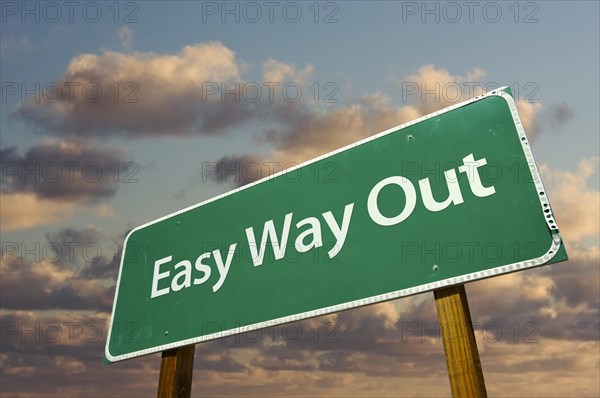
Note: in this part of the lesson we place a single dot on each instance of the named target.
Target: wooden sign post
(462, 357)
(176, 368)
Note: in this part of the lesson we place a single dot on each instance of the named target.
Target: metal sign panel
(452, 197)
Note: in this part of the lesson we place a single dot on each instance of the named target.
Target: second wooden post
(462, 357)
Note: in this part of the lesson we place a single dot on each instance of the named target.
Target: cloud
(240, 170)
(142, 94)
(559, 115)
(528, 112)
(307, 132)
(96, 254)
(11, 45)
(66, 170)
(59, 353)
(126, 37)
(559, 301)
(200, 90)
(575, 202)
(277, 72)
(45, 285)
(538, 119)
(26, 210)
(435, 88)
(55, 179)
(73, 269)
(105, 211)
(546, 368)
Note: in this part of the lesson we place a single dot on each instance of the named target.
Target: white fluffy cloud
(140, 94)
(276, 71)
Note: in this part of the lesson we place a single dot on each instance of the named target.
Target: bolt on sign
(449, 198)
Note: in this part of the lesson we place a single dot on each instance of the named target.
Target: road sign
(449, 198)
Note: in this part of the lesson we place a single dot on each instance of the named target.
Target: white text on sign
(310, 230)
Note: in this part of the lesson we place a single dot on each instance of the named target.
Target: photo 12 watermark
(315, 332)
(69, 172)
(326, 12)
(38, 332)
(490, 332)
(455, 92)
(70, 91)
(470, 11)
(270, 92)
(64, 252)
(244, 171)
(454, 252)
(126, 12)
(238, 172)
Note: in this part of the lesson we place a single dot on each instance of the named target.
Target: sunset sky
(115, 113)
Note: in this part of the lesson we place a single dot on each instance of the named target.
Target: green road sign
(452, 197)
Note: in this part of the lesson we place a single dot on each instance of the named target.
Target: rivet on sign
(435, 267)
(166, 332)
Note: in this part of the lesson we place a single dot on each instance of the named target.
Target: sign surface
(449, 198)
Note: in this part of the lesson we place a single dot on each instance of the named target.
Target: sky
(117, 113)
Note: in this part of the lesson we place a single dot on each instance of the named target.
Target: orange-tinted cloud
(141, 94)
(575, 202)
